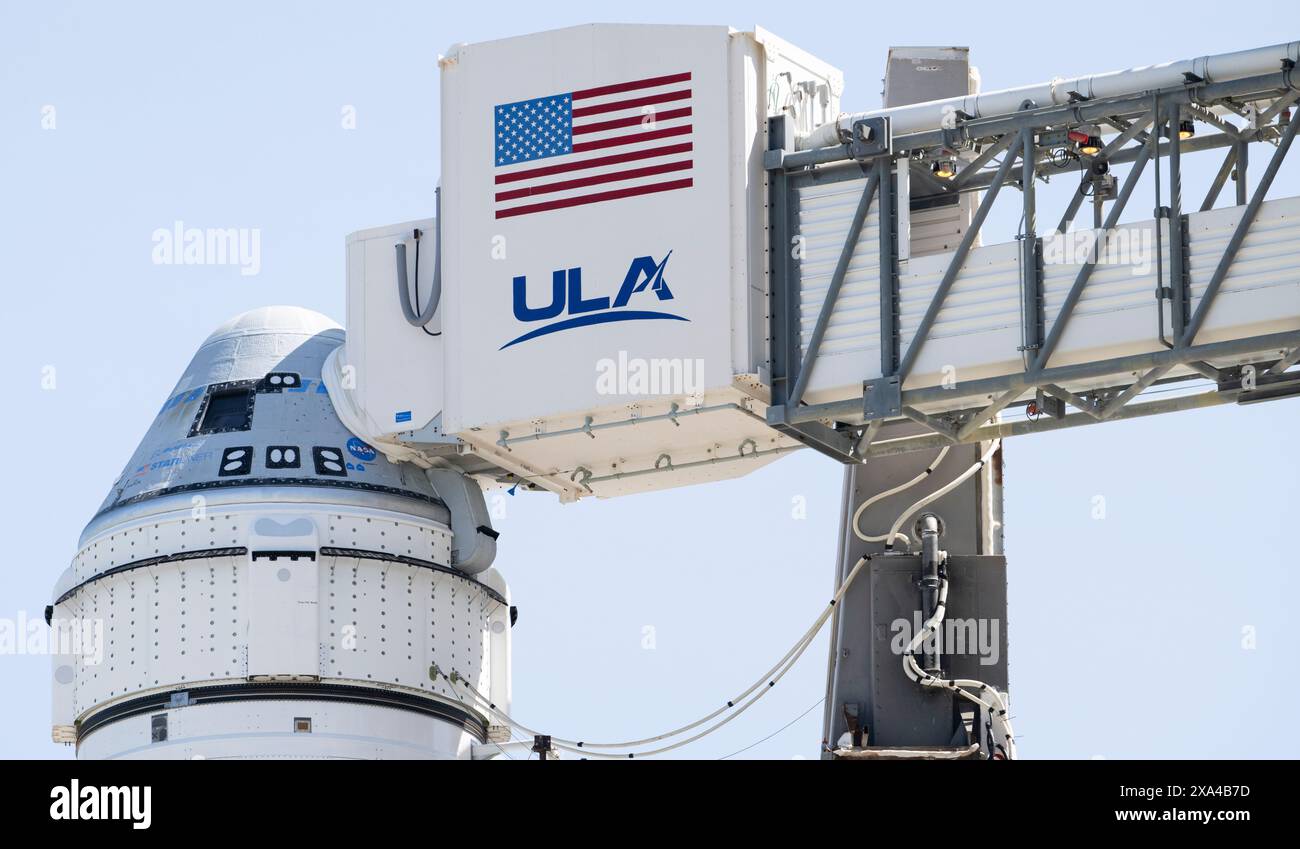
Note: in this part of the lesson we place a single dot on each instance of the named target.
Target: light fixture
(944, 169)
(1186, 129)
(1087, 139)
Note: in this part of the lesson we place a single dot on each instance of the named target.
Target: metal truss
(1148, 133)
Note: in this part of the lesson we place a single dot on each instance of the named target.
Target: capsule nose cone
(297, 321)
(250, 412)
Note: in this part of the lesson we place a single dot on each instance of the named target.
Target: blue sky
(1126, 632)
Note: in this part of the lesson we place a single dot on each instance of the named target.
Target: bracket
(882, 398)
(871, 137)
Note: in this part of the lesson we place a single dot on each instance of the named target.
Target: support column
(861, 675)
(867, 690)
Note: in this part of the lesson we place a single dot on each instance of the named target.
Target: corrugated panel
(1262, 288)
(938, 230)
(825, 213)
(978, 332)
(979, 321)
(1118, 304)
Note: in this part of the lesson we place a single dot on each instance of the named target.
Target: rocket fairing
(259, 582)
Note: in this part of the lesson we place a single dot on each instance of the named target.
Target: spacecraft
(270, 585)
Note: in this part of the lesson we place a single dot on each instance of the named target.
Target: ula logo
(567, 300)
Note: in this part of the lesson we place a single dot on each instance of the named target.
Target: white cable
(997, 709)
(880, 496)
(941, 492)
(782, 666)
(581, 748)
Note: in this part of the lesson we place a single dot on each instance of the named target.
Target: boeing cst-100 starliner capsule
(261, 583)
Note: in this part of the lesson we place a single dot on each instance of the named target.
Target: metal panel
(898, 711)
(938, 229)
(1263, 284)
(283, 637)
(850, 350)
(978, 332)
(920, 74)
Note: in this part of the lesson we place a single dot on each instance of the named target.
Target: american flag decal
(598, 144)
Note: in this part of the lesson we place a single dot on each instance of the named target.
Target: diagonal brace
(1140, 386)
(954, 266)
(977, 421)
(1238, 236)
(1081, 280)
(1286, 362)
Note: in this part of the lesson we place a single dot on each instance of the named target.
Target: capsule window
(227, 408)
(278, 381)
(283, 457)
(329, 462)
(236, 460)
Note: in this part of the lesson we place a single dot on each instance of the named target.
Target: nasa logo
(566, 299)
(361, 450)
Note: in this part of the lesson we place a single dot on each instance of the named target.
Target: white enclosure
(611, 275)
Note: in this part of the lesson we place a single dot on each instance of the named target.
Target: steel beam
(783, 273)
(1286, 362)
(988, 412)
(1220, 180)
(985, 157)
(1238, 236)
(1272, 112)
(954, 268)
(1137, 130)
(942, 428)
(1241, 170)
(1179, 306)
(1031, 284)
(1139, 386)
(817, 436)
(1004, 430)
(888, 215)
(1101, 110)
(869, 434)
(1078, 402)
(1081, 279)
(842, 171)
(1058, 375)
(1072, 209)
(1200, 114)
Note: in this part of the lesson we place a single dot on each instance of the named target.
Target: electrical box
(396, 378)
